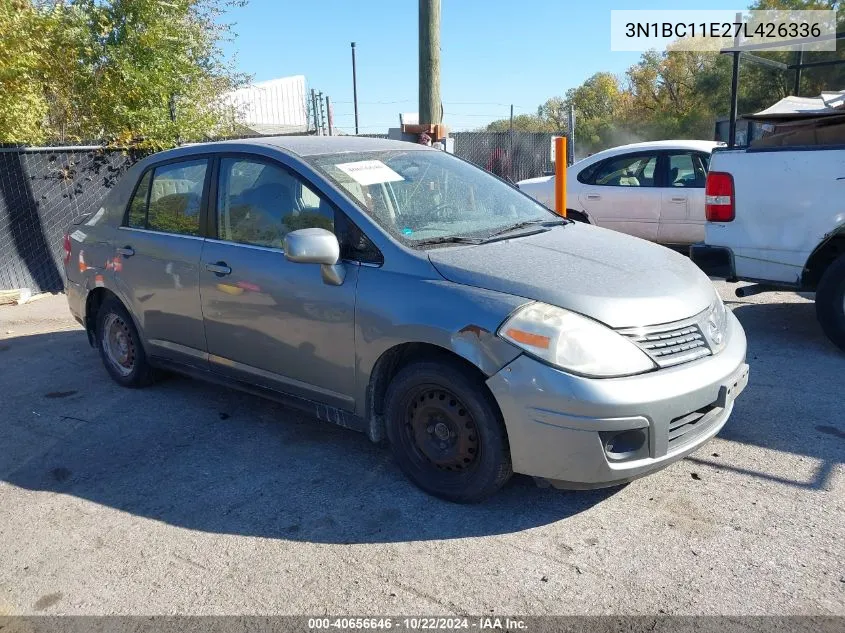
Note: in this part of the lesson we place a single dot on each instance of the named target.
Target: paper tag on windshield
(369, 172)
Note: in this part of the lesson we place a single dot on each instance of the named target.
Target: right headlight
(573, 342)
(715, 325)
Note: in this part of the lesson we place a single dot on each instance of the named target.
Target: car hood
(614, 278)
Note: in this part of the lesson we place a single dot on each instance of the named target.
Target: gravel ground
(188, 498)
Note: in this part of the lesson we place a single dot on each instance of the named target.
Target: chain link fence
(514, 157)
(41, 192)
(511, 156)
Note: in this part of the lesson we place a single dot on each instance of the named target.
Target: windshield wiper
(447, 239)
(527, 223)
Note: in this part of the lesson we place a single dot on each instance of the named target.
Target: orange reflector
(230, 289)
(534, 340)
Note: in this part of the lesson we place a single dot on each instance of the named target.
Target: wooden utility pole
(430, 108)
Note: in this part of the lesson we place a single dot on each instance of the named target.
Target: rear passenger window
(137, 218)
(168, 199)
(687, 170)
(175, 197)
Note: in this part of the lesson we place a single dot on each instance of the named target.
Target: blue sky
(493, 53)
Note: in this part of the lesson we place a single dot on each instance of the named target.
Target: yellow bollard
(560, 175)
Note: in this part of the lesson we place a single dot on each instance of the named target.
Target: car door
(619, 193)
(683, 175)
(269, 321)
(157, 257)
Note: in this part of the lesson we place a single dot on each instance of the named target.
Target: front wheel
(830, 302)
(446, 432)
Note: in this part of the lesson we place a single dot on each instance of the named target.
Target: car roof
(313, 145)
(701, 146)
(680, 144)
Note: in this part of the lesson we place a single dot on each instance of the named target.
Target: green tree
(550, 117)
(601, 109)
(680, 94)
(521, 123)
(555, 112)
(146, 72)
(22, 102)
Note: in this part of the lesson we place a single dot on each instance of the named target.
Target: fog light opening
(625, 444)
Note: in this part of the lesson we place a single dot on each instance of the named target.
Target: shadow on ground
(205, 458)
(793, 402)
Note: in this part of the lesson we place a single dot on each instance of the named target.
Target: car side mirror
(316, 246)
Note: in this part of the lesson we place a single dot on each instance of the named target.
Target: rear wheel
(120, 346)
(830, 302)
(446, 431)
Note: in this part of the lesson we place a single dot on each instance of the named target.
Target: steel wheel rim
(118, 344)
(440, 430)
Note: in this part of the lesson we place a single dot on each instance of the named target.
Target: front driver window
(625, 171)
(259, 203)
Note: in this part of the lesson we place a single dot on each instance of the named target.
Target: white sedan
(652, 190)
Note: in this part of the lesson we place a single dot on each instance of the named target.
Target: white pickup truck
(776, 216)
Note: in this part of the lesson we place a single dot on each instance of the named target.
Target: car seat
(264, 208)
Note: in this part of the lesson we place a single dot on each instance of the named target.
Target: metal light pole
(354, 88)
(329, 113)
(734, 89)
(510, 149)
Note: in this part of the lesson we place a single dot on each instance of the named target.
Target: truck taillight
(719, 197)
(66, 246)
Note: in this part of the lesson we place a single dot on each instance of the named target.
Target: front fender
(395, 309)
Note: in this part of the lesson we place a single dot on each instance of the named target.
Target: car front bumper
(581, 432)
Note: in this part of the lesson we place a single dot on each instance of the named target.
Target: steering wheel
(437, 210)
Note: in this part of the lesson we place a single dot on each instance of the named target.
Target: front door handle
(593, 196)
(126, 251)
(219, 268)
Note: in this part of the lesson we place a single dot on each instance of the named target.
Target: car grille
(670, 344)
(687, 427)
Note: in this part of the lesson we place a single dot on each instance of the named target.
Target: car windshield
(430, 196)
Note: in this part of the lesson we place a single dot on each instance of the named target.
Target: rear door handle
(679, 199)
(593, 196)
(126, 251)
(220, 269)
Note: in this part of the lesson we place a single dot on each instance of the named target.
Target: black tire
(467, 464)
(136, 371)
(830, 302)
(576, 216)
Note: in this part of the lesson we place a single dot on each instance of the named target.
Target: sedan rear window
(137, 218)
(168, 198)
